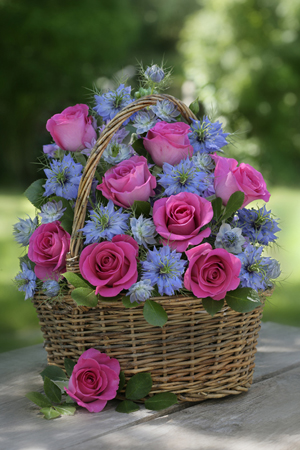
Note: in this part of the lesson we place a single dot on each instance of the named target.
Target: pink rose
(168, 143)
(48, 247)
(179, 219)
(110, 266)
(211, 273)
(72, 129)
(94, 380)
(128, 181)
(229, 178)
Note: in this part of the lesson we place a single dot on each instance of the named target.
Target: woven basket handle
(101, 144)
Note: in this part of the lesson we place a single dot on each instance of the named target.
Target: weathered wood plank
(22, 429)
(266, 418)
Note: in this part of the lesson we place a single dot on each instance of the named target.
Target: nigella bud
(155, 73)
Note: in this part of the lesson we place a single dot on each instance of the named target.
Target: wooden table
(265, 418)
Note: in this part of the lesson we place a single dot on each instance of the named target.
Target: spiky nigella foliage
(105, 223)
(258, 225)
(206, 136)
(164, 268)
(63, 178)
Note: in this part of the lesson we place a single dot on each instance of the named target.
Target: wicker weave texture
(194, 355)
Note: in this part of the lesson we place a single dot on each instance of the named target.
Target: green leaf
(122, 381)
(243, 299)
(139, 148)
(234, 203)
(154, 313)
(79, 158)
(217, 208)
(194, 107)
(70, 400)
(127, 303)
(38, 399)
(69, 212)
(212, 306)
(117, 298)
(50, 413)
(65, 409)
(138, 386)
(127, 406)
(35, 192)
(67, 225)
(69, 366)
(76, 280)
(54, 373)
(161, 401)
(61, 385)
(52, 391)
(85, 297)
(140, 207)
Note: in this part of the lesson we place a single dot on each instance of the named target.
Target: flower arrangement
(166, 216)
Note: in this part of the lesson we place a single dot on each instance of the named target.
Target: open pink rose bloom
(94, 381)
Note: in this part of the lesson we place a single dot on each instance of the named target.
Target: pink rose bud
(128, 181)
(211, 273)
(48, 247)
(168, 143)
(179, 219)
(72, 129)
(94, 380)
(110, 266)
(229, 178)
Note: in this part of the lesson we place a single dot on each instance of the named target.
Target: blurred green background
(241, 58)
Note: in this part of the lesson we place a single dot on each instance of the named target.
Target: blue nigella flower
(143, 231)
(50, 150)
(209, 183)
(105, 223)
(184, 177)
(165, 110)
(51, 288)
(52, 211)
(164, 267)
(258, 225)
(204, 162)
(26, 281)
(272, 269)
(24, 229)
(154, 73)
(110, 104)
(144, 121)
(89, 147)
(116, 152)
(140, 291)
(253, 271)
(230, 239)
(63, 178)
(206, 136)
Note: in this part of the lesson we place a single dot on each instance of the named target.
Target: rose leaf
(84, 297)
(127, 303)
(66, 410)
(234, 203)
(154, 313)
(76, 280)
(212, 306)
(61, 385)
(122, 382)
(161, 401)
(69, 366)
(217, 208)
(140, 207)
(52, 391)
(38, 399)
(243, 299)
(54, 373)
(50, 413)
(35, 192)
(138, 386)
(127, 406)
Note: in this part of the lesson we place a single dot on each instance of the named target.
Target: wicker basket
(194, 355)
